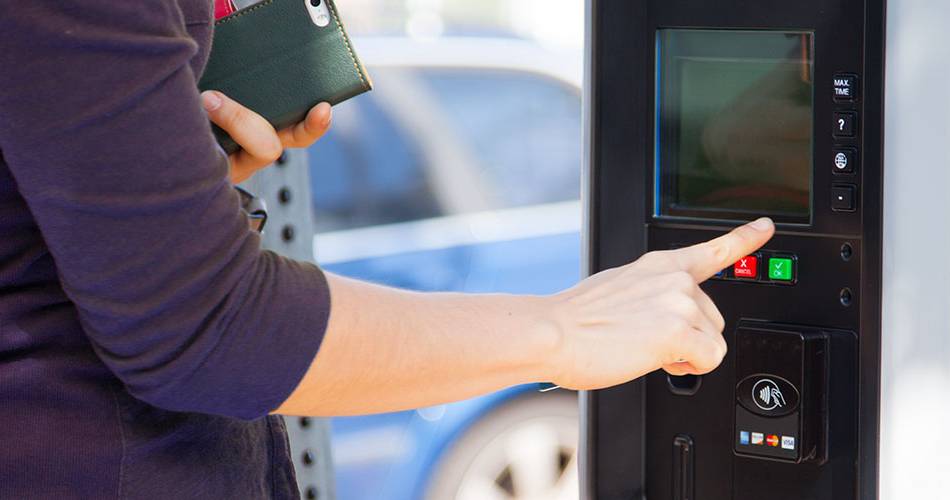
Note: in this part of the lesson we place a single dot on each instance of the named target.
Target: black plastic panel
(631, 427)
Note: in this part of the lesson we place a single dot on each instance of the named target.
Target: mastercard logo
(772, 440)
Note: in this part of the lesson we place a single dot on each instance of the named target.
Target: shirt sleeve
(102, 127)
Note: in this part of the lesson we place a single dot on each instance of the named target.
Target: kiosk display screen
(734, 119)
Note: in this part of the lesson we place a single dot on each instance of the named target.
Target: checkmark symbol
(780, 268)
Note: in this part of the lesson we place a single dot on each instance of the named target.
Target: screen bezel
(664, 182)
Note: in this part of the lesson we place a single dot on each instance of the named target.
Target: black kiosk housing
(703, 115)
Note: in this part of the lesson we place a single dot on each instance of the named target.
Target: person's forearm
(388, 350)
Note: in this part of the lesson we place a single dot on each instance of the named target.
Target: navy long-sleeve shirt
(144, 334)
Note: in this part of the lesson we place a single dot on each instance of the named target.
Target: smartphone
(280, 58)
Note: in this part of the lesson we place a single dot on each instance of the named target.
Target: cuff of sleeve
(265, 349)
(302, 336)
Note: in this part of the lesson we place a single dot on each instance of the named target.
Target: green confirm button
(780, 269)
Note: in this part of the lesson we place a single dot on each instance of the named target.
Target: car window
(366, 172)
(524, 129)
(430, 142)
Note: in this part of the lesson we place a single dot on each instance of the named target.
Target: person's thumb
(250, 130)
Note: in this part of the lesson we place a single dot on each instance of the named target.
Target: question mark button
(845, 124)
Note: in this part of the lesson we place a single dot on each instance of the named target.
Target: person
(147, 343)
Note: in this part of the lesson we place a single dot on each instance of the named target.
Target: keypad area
(844, 154)
(764, 266)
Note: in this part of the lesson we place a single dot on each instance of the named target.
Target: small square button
(846, 123)
(746, 268)
(843, 197)
(845, 87)
(781, 268)
(845, 160)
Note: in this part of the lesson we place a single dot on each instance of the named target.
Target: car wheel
(524, 450)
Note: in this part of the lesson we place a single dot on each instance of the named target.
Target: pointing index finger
(706, 259)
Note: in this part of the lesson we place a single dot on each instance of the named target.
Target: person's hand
(260, 144)
(625, 322)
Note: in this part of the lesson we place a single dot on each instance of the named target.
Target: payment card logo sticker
(767, 395)
(788, 442)
(757, 438)
(743, 437)
(772, 440)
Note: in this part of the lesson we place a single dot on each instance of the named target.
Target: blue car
(460, 172)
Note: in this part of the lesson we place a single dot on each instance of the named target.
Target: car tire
(525, 449)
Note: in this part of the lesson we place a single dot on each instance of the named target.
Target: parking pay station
(702, 115)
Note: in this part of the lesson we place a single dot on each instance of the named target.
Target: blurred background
(459, 172)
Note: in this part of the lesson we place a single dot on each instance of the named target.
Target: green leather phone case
(273, 59)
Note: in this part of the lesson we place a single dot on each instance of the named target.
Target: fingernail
(210, 100)
(328, 116)
(763, 224)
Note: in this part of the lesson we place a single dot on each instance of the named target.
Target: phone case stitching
(346, 41)
(242, 12)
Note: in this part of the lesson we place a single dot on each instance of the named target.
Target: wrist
(547, 335)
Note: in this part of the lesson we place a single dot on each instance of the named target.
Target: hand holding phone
(260, 144)
(280, 58)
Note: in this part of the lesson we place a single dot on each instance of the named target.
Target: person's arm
(102, 127)
(389, 349)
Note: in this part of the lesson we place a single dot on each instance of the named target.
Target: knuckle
(719, 252)
(745, 233)
(645, 260)
(678, 300)
(693, 311)
(273, 152)
(678, 326)
(719, 321)
(683, 281)
(239, 116)
(707, 362)
(717, 351)
(673, 302)
(300, 135)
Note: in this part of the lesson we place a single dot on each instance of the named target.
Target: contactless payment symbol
(743, 437)
(767, 396)
(772, 440)
(758, 438)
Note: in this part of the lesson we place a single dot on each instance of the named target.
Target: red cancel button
(746, 267)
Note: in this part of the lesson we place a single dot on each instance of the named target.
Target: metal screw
(846, 297)
(287, 233)
(846, 252)
(284, 195)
